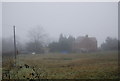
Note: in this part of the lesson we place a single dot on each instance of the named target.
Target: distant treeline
(63, 45)
(110, 44)
(37, 44)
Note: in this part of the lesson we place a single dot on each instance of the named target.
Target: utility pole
(15, 50)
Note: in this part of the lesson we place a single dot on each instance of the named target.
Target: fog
(98, 20)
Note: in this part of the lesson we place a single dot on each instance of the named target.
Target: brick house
(85, 44)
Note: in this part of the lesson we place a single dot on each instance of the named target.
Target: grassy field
(99, 65)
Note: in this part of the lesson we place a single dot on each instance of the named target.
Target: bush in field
(24, 72)
(8, 63)
(7, 66)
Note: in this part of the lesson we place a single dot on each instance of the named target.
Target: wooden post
(15, 50)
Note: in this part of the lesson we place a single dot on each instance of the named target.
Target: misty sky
(77, 19)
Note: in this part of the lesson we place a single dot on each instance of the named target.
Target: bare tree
(37, 37)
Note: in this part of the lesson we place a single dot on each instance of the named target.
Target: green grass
(99, 65)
